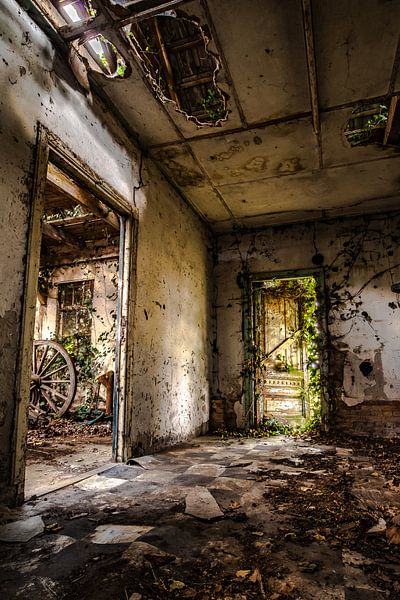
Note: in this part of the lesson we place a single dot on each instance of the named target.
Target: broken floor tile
(117, 534)
(21, 531)
(202, 505)
(99, 483)
(231, 484)
(157, 476)
(140, 552)
(209, 470)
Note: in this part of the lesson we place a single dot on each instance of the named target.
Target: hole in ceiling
(173, 53)
(100, 52)
(367, 125)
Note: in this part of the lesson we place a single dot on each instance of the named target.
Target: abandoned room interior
(200, 299)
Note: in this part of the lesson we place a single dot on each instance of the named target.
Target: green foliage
(45, 279)
(269, 427)
(121, 69)
(311, 340)
(213, 104)
(83, 354)
(359, 130)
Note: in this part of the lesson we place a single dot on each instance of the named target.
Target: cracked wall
(360, 258)
(172, 256)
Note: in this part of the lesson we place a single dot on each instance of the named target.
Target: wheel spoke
(43, 358)
(54, 380)
(46, 387)
(50, 402)
(56, 370)
(53, 358)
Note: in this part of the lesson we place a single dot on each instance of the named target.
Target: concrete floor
(279, 518)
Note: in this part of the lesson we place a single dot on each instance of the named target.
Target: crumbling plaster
(360, 260)
(171, 255)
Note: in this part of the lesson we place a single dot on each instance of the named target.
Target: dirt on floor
(277, 519)
(61, 449)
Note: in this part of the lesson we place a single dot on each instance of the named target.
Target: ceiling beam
(395, 69)
(59, 235)
(71, 189)
(392, 130)
(101, 23)
(312, 74)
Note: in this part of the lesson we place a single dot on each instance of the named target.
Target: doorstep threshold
(72, 481)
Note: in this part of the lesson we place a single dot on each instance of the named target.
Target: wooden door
(280, 377)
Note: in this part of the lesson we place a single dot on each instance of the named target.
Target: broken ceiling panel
(263, 44)
(100, 51)
(339, 187)
(336, 147)
(259, 153)
(173, 51)
(355, 46)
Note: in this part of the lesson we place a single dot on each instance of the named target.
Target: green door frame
(246, 281)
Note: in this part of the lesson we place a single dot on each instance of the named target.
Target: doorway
(285, 330)
(74, 347)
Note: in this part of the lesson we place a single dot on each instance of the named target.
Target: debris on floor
(61, 449)
(284, 518)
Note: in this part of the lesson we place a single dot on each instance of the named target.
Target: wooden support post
(392, 131)
(312, 73)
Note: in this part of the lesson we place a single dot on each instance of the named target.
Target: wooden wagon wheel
(53, 381)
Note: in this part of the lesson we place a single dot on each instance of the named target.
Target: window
(75, 309)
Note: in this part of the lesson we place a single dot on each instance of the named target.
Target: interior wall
(104, 274)
(172, 337)
(360, 259)
(38, 87)
(103, 313)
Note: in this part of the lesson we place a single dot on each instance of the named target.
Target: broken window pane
(173, 53)
(75, 309)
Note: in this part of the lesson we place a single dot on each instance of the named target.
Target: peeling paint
(360, 258)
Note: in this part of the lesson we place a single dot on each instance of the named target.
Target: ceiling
(293, 72)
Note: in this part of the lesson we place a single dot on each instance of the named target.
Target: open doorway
(74, 346)
(286, 334)
(70, 417)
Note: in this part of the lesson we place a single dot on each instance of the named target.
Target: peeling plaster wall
(37, 87)
(104, 274)
(361, 260)
(172, 352)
